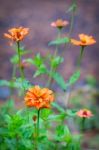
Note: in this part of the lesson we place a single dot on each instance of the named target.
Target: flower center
(85, 113)
(83, 40)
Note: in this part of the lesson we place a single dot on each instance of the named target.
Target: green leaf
(37, 73)
(4, 83)
(14, 59)
(10, 103)
(38, 60)
(74, 143)
(58, 107)
(71, 113)
(57, 117)
(41, 70)
(19, 83)
(72, 8)
(59, 79)
(30, 60)
(74, 77)
(59, 41)
(91, 80)
(59, 132)
(63, 133)
(23, 52)
(56, 61)
(7, 118)
(44, 113)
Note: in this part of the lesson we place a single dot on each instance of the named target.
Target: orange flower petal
(59, 23)
(17, 34)
(84, 113)
(39, 97)
(85, 40)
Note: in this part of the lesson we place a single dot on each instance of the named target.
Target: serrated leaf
(59, 41)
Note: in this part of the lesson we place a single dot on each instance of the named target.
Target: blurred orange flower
(17, 34)
(84, 113)
(84, 40)
(39, 97)
(59, 23)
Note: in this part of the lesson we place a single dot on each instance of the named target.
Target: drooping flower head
(17, 34)
(59, 23)
(84, 113)
(85, 40)
(39, 97)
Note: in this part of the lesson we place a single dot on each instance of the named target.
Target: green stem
(37, 130)
(12, 80)
(72, 18)
(71, 24)
(83, 124)
(20, 67)
(59, 33)
(35, 138)
(19, 55)
(50, 77)
(80, 56)
(74, 2)
(13, 72)
(52, 69)
(38, 117)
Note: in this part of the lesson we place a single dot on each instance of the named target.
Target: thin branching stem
(52, 69)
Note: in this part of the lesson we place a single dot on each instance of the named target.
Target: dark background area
(38, 15)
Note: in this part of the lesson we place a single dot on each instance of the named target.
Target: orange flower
(59, 23)
(39, 97)
(84, 113)
(84, 40)
(17, 34)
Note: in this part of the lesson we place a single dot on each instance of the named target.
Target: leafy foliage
(59, 41)
(17, 128)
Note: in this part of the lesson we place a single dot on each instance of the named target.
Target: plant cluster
(42, 124)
